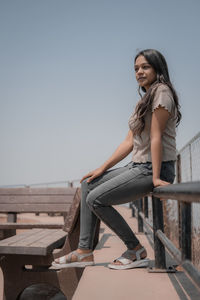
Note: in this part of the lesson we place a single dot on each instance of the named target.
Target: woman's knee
(92, 201)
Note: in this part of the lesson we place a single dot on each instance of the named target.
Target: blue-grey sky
(68, 85)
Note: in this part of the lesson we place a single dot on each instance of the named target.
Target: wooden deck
(98, 282)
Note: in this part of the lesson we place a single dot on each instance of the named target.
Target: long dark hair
(159, 64)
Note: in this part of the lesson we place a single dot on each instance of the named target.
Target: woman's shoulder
(163, 97)
(163, 88)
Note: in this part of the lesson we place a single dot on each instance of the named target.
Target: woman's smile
(141, 78)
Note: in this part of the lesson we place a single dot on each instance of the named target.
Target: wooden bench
(14, 201)
(26, 257)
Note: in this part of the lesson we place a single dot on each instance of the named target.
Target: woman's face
(144, 72)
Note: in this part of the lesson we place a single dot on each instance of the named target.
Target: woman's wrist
(104, 168)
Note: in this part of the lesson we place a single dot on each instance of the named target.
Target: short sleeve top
(142, 144)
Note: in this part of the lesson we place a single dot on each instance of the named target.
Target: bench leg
(6, 233)
(17, 277)
(71, 241)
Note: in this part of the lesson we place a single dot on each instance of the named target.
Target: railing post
(140, 220)
(70, 183)
(185, 230)
(178, 168)
(159, 249)
(132, 209)
(178, 180)
(146, 212)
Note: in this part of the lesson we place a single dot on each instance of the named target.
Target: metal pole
(186, 230)
(190, 162)
(178, 180)
(133, 210)
(146, 212)
(140, 220)
(70, 184)
(159, 249)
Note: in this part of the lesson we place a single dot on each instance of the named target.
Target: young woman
(151, 138)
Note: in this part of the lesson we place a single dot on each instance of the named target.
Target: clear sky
(67, 79)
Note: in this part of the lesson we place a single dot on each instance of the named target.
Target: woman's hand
(93, 174)
(120, 153)
(159, 182)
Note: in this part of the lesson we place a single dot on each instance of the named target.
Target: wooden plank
(14, 199)
(32, 208)
(37, 191)
(19, 244)
(48, 239)
(45, 245)
(33, 242)
(18, 237)
(30, 225)
(32, 238)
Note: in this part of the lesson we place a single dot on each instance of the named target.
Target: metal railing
(185, 194)
(68, 183)
(188, 170)
(189, 157)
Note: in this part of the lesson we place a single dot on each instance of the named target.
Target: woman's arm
(158, 124)
(121, 152)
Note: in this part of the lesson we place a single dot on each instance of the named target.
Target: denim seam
(119, 186)
(110, 226)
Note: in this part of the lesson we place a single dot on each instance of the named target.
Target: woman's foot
(133, 255)
(131, 259)
(78, 258)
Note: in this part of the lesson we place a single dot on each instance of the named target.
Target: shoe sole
(72, 265)
(136, 264)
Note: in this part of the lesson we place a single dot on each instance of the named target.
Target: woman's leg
(134, 183)
(88, 219)
(116, 186)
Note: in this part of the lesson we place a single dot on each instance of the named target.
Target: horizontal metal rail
(169, 245)
(192, 271)
(187, 265)
(190, 142)
(184, 192)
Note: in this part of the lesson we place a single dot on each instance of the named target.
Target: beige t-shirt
(141, 149)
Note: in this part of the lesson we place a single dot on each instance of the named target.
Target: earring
(158, 77)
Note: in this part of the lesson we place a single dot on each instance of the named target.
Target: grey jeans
(116, 186)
